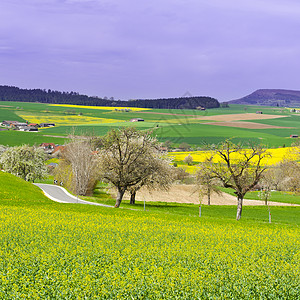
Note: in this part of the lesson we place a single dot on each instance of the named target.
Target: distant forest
(11, 93)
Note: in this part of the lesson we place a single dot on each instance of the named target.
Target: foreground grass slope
(58, 251)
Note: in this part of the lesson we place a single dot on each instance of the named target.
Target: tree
(189, 159)
(126, 158)
(79, 166)
(160, 179)
(238, 168)
(25, 162)
(184, 146)
(265, 194)
(3, 149)
(206, 181)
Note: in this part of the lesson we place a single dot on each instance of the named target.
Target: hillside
(11, 93)
(271, 97)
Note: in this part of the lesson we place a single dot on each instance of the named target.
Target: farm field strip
(99, 107)
(248, 125)
(67, 120)
(277, 155)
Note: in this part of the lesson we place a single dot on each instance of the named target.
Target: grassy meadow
(176, 126)
(51, 250)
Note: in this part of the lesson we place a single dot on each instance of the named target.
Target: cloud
(148, 49)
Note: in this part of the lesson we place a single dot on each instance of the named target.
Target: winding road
(59, 194)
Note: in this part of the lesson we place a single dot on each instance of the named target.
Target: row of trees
(127, 158)
(11, 93)
(130, 159)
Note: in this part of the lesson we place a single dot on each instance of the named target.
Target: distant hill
(271, 97)
(11, 93)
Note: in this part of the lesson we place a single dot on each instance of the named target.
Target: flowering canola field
(79, 252)
(68, 120)
(50, 250)
(276, 155)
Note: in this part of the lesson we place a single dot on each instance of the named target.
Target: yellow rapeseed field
(51, 250)
(100, 107)
(67, 252)
(68, 120)
(277, 155)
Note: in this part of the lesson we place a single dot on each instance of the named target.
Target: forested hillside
(11, 93)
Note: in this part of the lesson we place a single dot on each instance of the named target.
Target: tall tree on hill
(238, 168)
(128, 158)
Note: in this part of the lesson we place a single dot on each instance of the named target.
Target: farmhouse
(27, 128)
(47, 145)
(47, 124)
(34, 125)
(137, 120)
(8, 123)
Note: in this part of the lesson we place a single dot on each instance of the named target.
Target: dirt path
(186, 194)
(248, 125)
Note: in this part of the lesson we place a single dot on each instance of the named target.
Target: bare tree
(289, 176)
(238, 168)
(265, 194)
(206, 181)
(126, 158)
(79, 165)
(274, 176)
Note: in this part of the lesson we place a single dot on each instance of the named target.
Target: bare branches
(238, 168)
(81, 162)
(130, 159)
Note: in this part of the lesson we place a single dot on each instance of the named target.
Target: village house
(8, 123)
(47, 124)
(34, 125)
(137, 120)
(27, 128)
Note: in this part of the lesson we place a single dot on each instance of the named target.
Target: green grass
(178, 129)
(16, 138)
(276, 196)
(17, 192)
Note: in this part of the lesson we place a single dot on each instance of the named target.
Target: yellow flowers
(69, 251)
(68, 120)
(72, 251)
(100, 107)
(277, 155)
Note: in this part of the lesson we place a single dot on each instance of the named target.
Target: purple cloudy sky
(148, 49)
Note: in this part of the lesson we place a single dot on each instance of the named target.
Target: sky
(134, 49)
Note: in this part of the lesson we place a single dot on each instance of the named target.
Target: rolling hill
(271, 97)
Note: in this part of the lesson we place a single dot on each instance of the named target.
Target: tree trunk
(119, 197)
(208, 196)
(132, 197)
(239, 208)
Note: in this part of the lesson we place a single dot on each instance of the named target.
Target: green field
(69, 251)
(182, 127)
